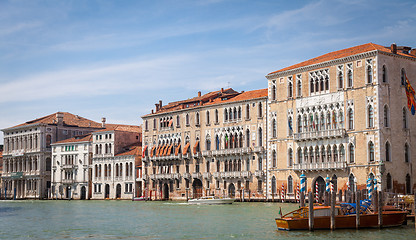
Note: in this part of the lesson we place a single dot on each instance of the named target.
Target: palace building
(343, 115)
(212, 144)
(27, 152)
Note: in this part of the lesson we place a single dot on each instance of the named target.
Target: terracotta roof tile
(80, 138)
(121, 127)
(368, 47)
(69, 119)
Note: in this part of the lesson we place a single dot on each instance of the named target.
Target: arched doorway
(107, 191)
(321, 185)
(408, 185)
(231, 190)
(165, 191)
(83, 193)
(197, 188)
(351, 180)
(118, 191)
(68, 192)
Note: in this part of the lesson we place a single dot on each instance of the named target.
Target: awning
(196, 147)
(158, 151)
(170, 123)
(144, 151)
(178, 148)
(170, 149)
(165, 151)
(185, 149)
(151, 151)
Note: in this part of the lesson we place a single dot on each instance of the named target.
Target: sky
(116, 59)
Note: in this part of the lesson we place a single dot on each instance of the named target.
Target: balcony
(68, 166)
(259, 173)
(186, 155)
(330, 133)
(320, 166)
(245, 174)
(216, 174)
(198, 155)
(258, 149)
(187, 175)
(145, 176)
(146, 159)
(207, 153)
(197, 175)
(245, 150)
(175, 175)
(206, 175)
(67, 181)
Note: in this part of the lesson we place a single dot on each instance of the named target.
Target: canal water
(161, 220)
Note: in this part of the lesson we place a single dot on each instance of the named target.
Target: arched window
(96, 149)
(322, 84)
(312, 85)
(290, 184)
(208, 143)
(248, 111)
(340, 79)
(207, 117)
(384, 74)
(388, 158)
(154, 124)
(290, 157)
(260, 110)
(260, 137)
(326, 83)
(230, 114)
(290, 89)
(369, 74)
(239, 112)
(290, 125)
(178, 122)
(335, 154)
(329, 153)
(370, 115)
(300, 157)
(403, 77)
(404, 118)
(260, 167)
(225, 115)
(342, 153)
(299, 124)
(273, 92)
(187, 119)
(389, 182)
(386, 116)
(216, 116)
(351, 152)
(305, 155)
(299, 83)
(197, 118)
(274, 189)
(370, 151)
(247, 138)
(274, 159)
(48, 141)
(350, 119)
(349, 78)
(323, 153)
(274, 127)
(406, 153)
(235, 113)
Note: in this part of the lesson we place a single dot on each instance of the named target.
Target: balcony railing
(216, 174)
(245, 174)
(187, 175)
(197, 175)
(207, 153)
(258, 149)
(68, 166)
(330, 133)
(319, 166)
(206, 175)
(67, 181)
(231, 151)
(259, 173)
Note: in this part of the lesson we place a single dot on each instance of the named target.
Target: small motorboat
(211, 200)
(345, 218)
(138, 199)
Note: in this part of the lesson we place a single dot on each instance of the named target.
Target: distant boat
(138, 199)
(211, 200)
(344, 218)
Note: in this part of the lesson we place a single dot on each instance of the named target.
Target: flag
(312, 122)
(290, 124)
(410, 93)
(334, 121)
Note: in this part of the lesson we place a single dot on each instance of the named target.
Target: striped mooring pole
(297, 193)
(327, 184)
(303, 183)
(369, 189)
(316, 192)
(283, 193)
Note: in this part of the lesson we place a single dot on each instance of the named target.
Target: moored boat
(344, 218)
(211, 200)
(138, 199)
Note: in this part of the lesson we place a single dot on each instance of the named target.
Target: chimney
(393, 48)
(242, 91)
(160, 104)
(199, 93)
(157, 106)
(222, 90)
(152, 111)
(60, 118)
(103, 122)
(413, 52)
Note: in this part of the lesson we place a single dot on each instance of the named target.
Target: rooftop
(80, 138)
(368, 47)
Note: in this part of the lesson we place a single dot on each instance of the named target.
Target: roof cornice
(323, 64)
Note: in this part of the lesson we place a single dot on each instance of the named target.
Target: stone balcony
(235, 174)
(323, 134)
(259, 173)
(67, 181)
(320, 166)
(207, 153)
(206, 175)
(68, 166)
(231, 151)
(187, 175)
(258, 149)
(197, 175)
(164, 176)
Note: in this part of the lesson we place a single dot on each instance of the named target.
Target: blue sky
(117, 58)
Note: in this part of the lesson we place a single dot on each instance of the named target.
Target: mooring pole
(302, 199)
(380, 209)
(357, 210)
(333, 200)
(310, 215)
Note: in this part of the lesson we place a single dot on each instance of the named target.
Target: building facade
(28, 153)
(115, 151)
(343, 115)
(71, 168)
(212, 144)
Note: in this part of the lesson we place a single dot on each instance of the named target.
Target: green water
(161, 220)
